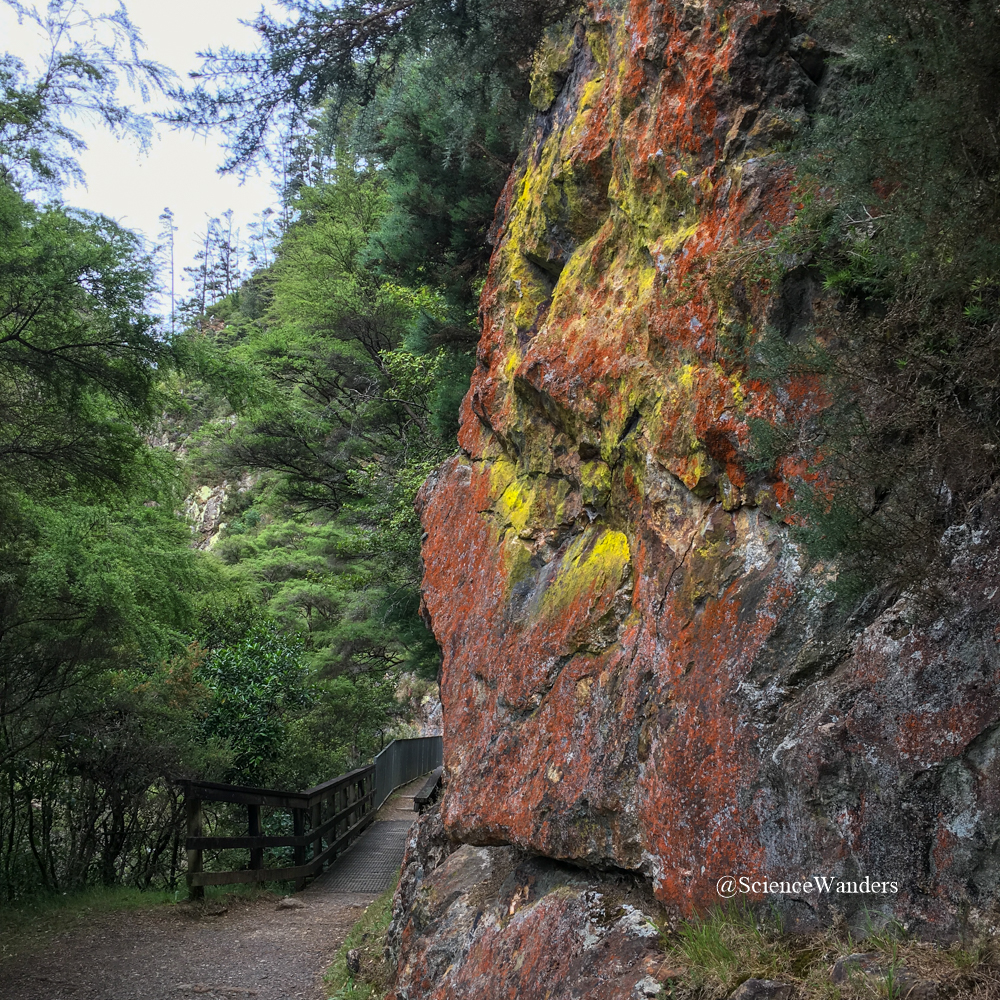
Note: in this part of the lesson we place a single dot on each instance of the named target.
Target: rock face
(490, 922)
(639, 673)
(203, 509)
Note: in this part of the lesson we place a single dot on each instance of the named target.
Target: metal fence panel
(402, 761)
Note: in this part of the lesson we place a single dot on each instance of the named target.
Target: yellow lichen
(598, 43)
(595, 478)
(739, 392)
(532, 292)
(502, 474)
(590, 566)
(552, 60)
(515, 507)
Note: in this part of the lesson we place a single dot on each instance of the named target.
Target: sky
(180, 169)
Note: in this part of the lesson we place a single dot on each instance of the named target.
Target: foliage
(913, 145)
(354, 412)
(333, 374)
(329, 322)
(254, 682)
(435, 93)
(78, 351)
(87, 57)
(448, 131)
(344, 54)
(899, 222)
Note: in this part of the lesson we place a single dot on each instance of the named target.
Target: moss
(661, 224)
(534, 501)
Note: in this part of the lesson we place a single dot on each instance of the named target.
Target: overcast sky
(179, 171)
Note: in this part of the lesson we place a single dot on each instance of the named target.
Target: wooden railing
(325, 822)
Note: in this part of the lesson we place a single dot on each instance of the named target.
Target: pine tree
(166, 235)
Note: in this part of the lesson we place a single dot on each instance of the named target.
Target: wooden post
(256, 853)
(315, 820)
(195, 823)
(299, 856)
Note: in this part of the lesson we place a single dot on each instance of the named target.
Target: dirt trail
(254, 947)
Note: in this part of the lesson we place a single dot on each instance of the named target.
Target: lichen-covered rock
(427, 847)
(638, 671)
(491, 923)
(203, 509)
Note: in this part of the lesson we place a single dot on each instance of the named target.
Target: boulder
(492, 922)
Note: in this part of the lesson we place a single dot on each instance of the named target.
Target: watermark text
(730, 886)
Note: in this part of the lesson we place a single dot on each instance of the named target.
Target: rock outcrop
(491, 922)
(641, 672)
(204, 507)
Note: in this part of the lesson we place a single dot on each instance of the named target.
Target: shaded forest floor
(243, 946)
(235, 945)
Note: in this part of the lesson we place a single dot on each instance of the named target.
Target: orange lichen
(623, 615)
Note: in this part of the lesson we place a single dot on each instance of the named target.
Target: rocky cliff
(642, 673)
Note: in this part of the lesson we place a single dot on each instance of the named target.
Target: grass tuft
(368, 937)
(712, 955)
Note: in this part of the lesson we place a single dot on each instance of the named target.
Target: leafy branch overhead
(88, 58)
(343, 53)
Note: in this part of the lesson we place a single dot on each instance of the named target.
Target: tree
(344, 53)
(257, 679)
(331, 322)
(88, 56)
(448, 133)
(79, 353)
(262, 237)
(167, 233)
(227, 254)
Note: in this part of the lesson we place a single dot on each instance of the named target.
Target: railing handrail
(327, 817)
(390, 775)
(218, 791)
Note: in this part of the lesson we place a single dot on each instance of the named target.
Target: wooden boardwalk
(371, 863)
(302, 833)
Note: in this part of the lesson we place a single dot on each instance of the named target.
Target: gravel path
(248, 947)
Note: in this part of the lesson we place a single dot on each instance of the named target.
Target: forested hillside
(325, 381)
